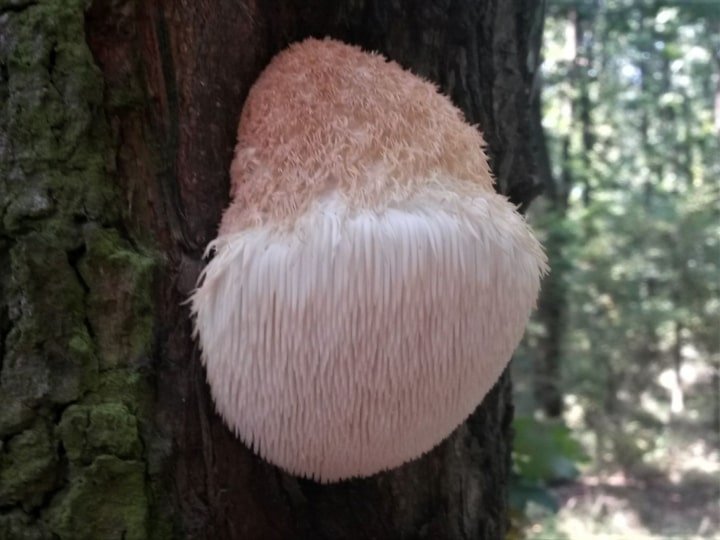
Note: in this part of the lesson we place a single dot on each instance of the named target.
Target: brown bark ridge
(174, 75)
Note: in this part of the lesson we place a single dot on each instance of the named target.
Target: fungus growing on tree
(368, 285)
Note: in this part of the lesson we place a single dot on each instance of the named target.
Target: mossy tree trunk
(117, 124)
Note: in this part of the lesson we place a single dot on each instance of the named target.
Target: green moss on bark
(128, 386)
(17, 525)
(89, 431)
(76, 319)
(119, 299)
(57, 141)
(28, 467)
(105, 500)
(49, 356)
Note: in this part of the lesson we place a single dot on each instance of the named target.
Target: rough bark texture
(117, 126)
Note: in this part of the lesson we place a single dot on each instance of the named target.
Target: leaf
(545, 450)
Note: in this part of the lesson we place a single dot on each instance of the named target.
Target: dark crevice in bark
(52, 59)
(5, 325)
(296, 502)
(74, 256)
(169, 149)
(16, 7)
(37, 512)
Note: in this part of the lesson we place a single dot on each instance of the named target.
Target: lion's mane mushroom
(368, 285)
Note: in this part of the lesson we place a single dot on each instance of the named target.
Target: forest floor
(672, 493)
(644, 505)
(649, 507)
(673, 496)
(656, 475)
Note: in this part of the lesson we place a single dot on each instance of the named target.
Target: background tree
(117, 126)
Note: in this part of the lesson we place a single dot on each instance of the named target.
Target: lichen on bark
(76, 320)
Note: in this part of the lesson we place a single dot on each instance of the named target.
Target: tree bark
(116, 135)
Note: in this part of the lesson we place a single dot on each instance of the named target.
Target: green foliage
(545, 451)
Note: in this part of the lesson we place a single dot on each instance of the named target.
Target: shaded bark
(175, 76)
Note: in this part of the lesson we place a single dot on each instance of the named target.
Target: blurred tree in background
(625, 346)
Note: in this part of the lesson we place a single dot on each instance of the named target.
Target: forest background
(617, 384)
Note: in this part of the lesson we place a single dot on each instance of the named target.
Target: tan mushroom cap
(326, 115)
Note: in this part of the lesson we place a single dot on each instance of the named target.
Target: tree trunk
(116, 132)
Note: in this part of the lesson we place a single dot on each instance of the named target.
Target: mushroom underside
(356, 340)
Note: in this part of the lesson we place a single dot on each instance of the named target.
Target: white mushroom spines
(368, 285)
